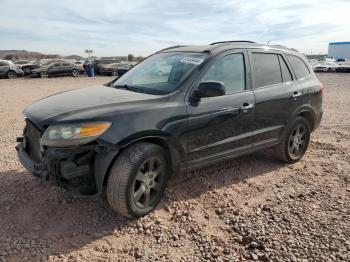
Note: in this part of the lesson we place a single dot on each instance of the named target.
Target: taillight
(322, 88)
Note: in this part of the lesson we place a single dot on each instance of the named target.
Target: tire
(75, 73)
(44, 75)
(294, 142)
(11, 75)
(133, 188)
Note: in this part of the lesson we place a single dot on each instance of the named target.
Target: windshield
(161, 73)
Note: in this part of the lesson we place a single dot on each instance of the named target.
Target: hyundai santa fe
(182, 108)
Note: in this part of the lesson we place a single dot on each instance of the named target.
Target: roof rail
(171, 47)
(285, 47)
(236, 41)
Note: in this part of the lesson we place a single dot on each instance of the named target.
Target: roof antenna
(268, 42)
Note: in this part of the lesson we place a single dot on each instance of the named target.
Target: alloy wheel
(297, 141)
(11, 75)
(75, 73)
(148, 182)
(44, 75)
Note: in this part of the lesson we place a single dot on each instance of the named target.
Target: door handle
(296, 94)
(246, 107)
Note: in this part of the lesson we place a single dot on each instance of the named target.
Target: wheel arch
(308, 113)
(162, 140)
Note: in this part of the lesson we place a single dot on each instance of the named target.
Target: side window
(299, 66)
(2, 64)
(66, 64)
(230, 70)
(56, 65)
(266, 69)
(286, 75)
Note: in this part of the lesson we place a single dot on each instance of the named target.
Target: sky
(141, 27)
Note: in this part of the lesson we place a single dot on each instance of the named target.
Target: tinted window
(56, 64)
(266, 69)
(299, 66)
(229, 70)
(286, 75)
(67, 64)
(3, 64)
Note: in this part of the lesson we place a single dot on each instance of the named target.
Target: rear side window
(230, 70)
(66, 64)
(300, 68)
(266, 69)
(286, 75)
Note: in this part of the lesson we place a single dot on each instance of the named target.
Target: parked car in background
(80, 64)
(57, 69)
(325, 67)
(179, 109)
(10, 70)
(27, 65)
(102, 62)
(50, 61)
(343, 67)
(115, 69)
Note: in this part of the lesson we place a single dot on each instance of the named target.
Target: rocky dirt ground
(250, 208)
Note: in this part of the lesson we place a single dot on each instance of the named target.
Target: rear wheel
(75, 73)
(11, 75)
(137, 180)
(295, 140)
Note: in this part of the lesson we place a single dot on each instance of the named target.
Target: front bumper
(81, 169)
(36, 169)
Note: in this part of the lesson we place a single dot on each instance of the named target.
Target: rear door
(277, 95)
(66, 68)
(220, 127)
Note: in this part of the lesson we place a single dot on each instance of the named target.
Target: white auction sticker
(191, 60)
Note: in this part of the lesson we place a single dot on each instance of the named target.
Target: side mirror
(209, 89)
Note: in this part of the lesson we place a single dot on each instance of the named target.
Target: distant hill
(24, 55)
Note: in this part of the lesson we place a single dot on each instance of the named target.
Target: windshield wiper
(131, 88)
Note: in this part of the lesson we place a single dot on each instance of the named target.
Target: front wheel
(137, 180)
(11, 75)
(295, 140)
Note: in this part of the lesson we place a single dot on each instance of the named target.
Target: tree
(130, 57)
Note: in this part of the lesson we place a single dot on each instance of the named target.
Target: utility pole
(90, 65)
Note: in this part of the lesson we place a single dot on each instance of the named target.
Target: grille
(32, 135)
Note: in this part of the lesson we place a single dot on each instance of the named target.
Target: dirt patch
(250, 208)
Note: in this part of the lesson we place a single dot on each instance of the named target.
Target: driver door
(221, 127)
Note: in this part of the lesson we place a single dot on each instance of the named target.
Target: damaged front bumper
(81, 170)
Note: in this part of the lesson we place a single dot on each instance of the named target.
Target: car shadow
(36, 211)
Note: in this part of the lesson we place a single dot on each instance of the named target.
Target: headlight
(73, 134)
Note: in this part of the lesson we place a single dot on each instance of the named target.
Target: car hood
(85, 103)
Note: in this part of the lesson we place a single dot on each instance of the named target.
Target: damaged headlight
(73, 134)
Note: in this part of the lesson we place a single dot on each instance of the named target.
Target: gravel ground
(250, 208)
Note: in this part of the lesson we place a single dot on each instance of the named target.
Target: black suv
(181, 108)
